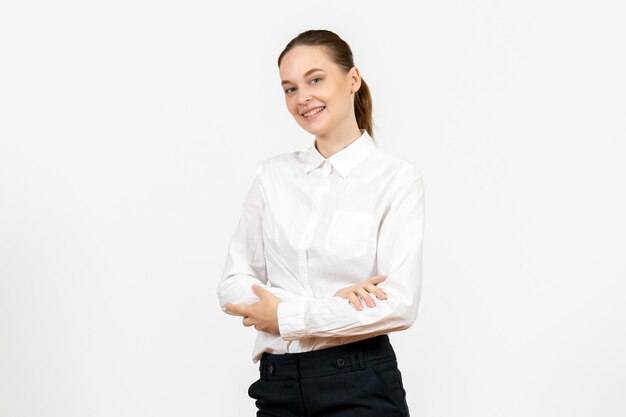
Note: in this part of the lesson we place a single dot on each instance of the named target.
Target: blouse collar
(345, 159)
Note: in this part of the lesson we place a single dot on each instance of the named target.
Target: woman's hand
(363, 291)
(263, 314)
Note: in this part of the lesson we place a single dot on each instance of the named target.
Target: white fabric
(311, 226)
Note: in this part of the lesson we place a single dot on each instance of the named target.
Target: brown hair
(341, 54)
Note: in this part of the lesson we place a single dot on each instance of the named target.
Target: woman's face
(311, 81)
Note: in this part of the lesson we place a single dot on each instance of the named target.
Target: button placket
(312, 223)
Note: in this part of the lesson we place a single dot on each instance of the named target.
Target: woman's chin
(313, 129)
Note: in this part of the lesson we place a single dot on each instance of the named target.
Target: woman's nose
(303, 97)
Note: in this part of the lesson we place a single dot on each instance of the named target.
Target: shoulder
(403, 170)
(282, 162)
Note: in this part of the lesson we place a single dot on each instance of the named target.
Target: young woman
(322, 232)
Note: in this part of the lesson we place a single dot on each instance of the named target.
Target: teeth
(312, 112)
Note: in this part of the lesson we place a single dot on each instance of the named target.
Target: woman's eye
(287, 91)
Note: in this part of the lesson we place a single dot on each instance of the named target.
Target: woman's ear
(355, 77)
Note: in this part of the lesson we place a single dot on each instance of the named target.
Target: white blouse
(312, 225)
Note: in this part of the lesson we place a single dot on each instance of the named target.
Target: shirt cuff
(291, 323)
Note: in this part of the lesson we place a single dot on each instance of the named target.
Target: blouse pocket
(348, 233)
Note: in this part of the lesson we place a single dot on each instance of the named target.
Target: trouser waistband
(328, 361)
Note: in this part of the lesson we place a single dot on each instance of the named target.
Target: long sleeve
(399, 256)
(245, 260)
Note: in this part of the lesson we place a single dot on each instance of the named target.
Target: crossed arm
(263, 314)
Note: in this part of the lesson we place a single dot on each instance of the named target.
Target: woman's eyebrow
(305, 74)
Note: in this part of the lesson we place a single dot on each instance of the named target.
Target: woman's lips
(314, 116)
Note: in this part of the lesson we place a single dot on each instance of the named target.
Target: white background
(130, 132)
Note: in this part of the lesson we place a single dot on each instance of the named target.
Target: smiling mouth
(313, 112)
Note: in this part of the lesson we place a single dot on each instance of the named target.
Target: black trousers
(359, 379)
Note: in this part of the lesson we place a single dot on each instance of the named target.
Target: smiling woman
(321, 232)
(324, 91)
